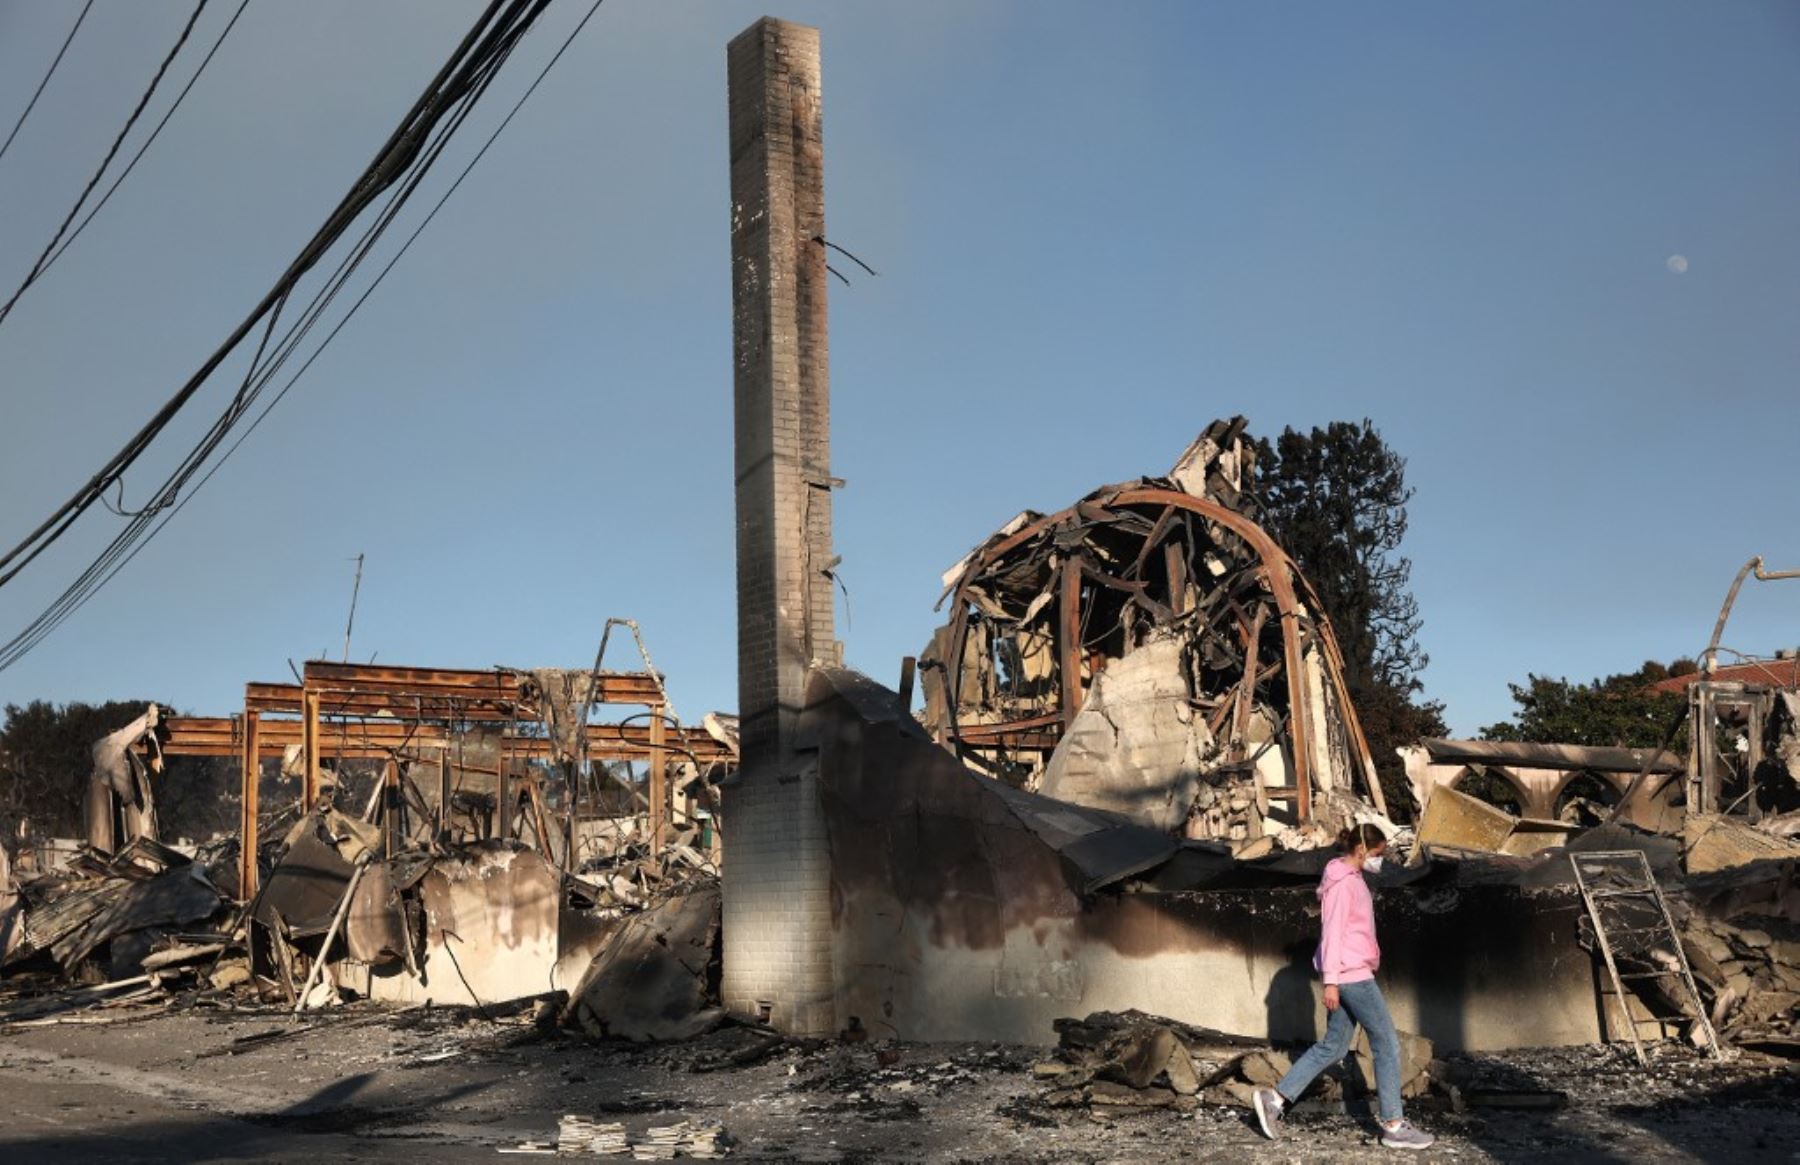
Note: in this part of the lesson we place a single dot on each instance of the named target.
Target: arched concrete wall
(1539, 789)
(1618, 782)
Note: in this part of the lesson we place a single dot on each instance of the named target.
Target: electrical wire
(127, 545)
(397, 155)
(51, 72)
(37, 268)
(128, 542)
(148, 142)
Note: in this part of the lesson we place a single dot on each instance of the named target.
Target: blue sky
(1097, 227)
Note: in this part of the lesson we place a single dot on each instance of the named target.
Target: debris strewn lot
(366, 1085)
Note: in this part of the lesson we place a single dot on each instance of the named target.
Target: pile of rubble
(1112, 1063)
(631, 876)
(1741, 935)
(471, 923)
(123, 930)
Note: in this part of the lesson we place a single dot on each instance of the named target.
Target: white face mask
(1372, 863)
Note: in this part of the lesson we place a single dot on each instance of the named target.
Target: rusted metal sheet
(491, 925)
(886, 784)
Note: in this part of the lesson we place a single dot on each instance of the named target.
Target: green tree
(1619, 710)
(1335, 498)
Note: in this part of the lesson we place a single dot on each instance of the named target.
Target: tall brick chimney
(777, 920)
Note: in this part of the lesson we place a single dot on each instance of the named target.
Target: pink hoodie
(1348, 952)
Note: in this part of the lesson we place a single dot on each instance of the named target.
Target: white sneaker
(1402, 1135)
(1268, 1105)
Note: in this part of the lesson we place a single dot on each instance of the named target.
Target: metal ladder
(1624, 902)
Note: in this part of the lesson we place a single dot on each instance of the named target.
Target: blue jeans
(1358, 1003)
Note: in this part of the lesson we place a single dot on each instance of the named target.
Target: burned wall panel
(964, 909)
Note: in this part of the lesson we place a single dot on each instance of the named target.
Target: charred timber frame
(397, 710)
(250, 760)
(220, 736)
(1276, 569)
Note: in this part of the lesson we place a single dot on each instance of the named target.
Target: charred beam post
(503, 795)
(391, 808)
(659, 784)
(309, 742)
(251, 770)
(1246, 693)
(1069, 626)
(777, 903)
(1175, 566)
(909, 666)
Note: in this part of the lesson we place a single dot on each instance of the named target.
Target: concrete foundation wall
(1016, 992)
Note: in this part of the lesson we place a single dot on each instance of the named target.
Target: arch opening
(1586, 800)
(1489, 786)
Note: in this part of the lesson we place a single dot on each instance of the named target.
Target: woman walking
(1347, 960)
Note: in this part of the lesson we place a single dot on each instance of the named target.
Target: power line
(32, 104)
(148, 142)
(37, 268)
(170, 500)
(447, 90)
(420, 150)
(117, 557)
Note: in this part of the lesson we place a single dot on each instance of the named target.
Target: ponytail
(1366, 834)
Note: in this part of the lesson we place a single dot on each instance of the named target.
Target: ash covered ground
(450, 1085)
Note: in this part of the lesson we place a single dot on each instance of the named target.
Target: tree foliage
(1335, 498)
(1619, 710)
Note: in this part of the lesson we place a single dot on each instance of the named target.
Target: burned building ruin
(1151, 651)
(1135, 744)
(1135, 747)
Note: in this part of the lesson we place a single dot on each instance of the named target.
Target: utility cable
(37, 268)
(32, 104)
(126, 547)
(148, 142)
(128, 542)
(452, 85)
(282, 357)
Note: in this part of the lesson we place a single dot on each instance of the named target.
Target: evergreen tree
(1335, 499)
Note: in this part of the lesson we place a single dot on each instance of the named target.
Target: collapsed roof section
(1153, 652)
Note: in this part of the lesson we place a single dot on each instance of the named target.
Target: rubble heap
(1741, 934)
(117, 930)
(1115, 1063)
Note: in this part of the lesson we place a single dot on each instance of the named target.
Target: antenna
(355, 589)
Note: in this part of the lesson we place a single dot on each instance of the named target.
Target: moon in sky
(1676, 264)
